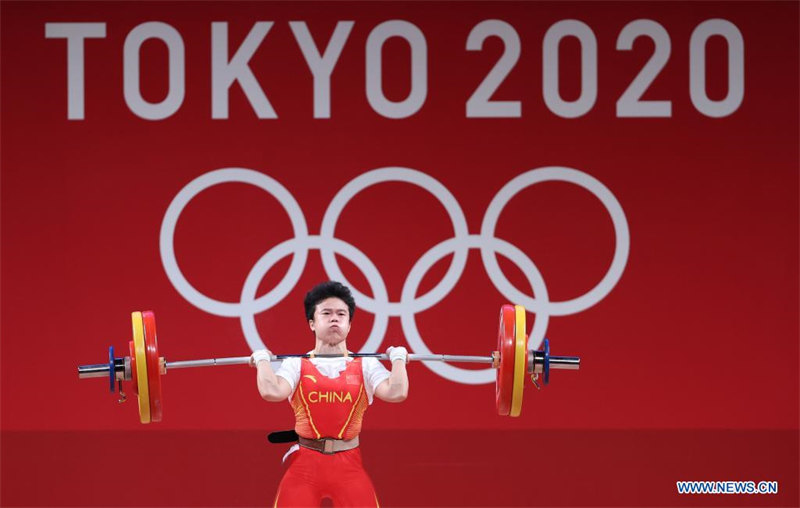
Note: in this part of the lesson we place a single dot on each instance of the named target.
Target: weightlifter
(329, 397)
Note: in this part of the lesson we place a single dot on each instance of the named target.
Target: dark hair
(329, 289)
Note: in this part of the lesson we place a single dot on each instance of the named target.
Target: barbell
(513, 360)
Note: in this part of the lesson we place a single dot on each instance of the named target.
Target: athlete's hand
(260, 355)
(397, 353)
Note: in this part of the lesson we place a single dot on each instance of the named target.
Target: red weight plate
(135, 383)
(506, 344)
(153, 367)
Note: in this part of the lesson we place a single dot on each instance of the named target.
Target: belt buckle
(327, 447)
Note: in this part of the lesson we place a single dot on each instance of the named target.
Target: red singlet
(325, 407)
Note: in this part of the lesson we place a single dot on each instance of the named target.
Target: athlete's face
(331, 322)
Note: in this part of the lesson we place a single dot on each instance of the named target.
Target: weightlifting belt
(328, 445)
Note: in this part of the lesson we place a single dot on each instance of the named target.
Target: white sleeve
(374, 374)
(290, 371)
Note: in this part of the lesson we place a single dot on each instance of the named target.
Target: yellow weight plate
(520, 357)
(141, 366)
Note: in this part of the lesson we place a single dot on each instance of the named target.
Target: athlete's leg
(353, 486)
(299, 485)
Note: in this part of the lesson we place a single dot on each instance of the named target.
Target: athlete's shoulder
(292, 363)
(370, 364)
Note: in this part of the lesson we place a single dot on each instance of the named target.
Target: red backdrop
(690, 352)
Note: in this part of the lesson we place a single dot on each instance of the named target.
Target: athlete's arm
(272, 388)
(395, 387)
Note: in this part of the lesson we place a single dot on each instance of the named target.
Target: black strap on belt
(283, 436)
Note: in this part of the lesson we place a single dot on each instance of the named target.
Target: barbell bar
(101, 369)
(512, 359)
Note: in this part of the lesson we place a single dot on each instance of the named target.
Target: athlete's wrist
(397, 353)
(260, 355)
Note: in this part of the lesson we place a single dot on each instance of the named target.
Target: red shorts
(313, 476)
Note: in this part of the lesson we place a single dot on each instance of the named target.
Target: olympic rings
(195, 187)
(620, 231)
(396, 175)
(410, 303)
